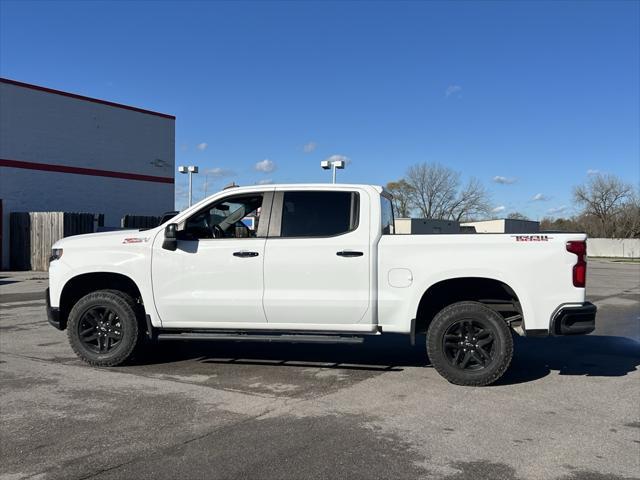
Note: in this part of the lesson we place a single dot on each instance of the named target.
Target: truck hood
(117, 237)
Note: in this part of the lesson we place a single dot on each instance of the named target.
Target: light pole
(333, 165)
(191, 169)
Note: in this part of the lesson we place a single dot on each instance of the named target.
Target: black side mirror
(170, 237)
(166, 216)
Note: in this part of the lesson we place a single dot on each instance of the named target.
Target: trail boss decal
(136, 240)
(532, 238)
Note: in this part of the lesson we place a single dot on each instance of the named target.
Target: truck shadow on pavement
(588, 355)
(534, 358)
(375, 354)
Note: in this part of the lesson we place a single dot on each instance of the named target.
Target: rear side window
(319, 214)
(386, 208)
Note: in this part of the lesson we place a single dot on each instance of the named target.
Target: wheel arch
(80, 285)
(494, 293)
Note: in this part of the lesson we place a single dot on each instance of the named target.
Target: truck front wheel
(469, 344)
(103, 328)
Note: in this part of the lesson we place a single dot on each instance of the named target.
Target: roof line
(82, 97)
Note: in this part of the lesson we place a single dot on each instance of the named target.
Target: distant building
(425, 226)
(429, 226)
(505, 225)
(65, 152)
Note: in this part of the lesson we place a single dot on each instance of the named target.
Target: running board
(258, 337)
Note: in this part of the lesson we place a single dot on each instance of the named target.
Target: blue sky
(535, 93)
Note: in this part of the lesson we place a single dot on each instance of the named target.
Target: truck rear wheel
(103, 328)
(469, 344)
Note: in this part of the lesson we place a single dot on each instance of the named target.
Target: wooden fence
(33, 233)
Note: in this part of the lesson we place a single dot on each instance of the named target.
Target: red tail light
(580, 268)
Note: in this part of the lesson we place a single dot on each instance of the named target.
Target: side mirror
(170, 237)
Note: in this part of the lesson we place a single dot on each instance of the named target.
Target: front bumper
(574, 320)
(53, 314)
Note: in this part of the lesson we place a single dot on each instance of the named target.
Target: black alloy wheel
(104, 327)
(468, 344)
(100, 329)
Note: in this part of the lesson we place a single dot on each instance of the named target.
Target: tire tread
(440, 363)
(125, 302)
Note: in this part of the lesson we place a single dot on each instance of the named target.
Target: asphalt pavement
(568, 408)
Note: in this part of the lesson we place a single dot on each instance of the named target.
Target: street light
(191, 169)
(332, 165)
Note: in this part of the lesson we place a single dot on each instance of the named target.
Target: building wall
(614, 247)
(402, 226)
(487, 226)
(425, 226)
(508, 225)
(80, 155)
(513, 225)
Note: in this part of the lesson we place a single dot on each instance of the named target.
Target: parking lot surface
(568, 408)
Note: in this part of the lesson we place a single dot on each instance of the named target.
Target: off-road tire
(454, 321)
(127, 313)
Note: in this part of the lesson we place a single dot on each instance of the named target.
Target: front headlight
(56, 253)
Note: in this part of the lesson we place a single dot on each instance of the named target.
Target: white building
(65, 152)
(504, 225)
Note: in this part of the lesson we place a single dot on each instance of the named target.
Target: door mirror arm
(170, 237)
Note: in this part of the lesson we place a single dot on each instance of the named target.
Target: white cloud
(504, 180)
(557, 210)
(310, 147)
(219, 172)
(265, 166)
(540, 197)
(452, 89)
(498, 209)
(202, 146)
(266, 181)
(592, 171)
(337, 158)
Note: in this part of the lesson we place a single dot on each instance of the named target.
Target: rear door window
(318, 214)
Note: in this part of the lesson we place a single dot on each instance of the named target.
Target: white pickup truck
(321, 264)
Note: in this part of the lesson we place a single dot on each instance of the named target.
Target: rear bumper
(574, 320)
(53, 314)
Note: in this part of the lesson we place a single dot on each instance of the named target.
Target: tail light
(580, 268)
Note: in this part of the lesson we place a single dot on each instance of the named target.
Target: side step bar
(258, 337)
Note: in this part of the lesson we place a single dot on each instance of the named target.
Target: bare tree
(401, 192)
(560, 225)
(435, 193)
(604, 197)
(628, 221)
(472, 201)
(517, 216)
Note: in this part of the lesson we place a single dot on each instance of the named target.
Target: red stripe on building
(94, 172)
(87, 99)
